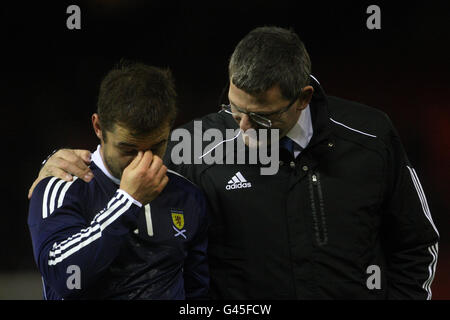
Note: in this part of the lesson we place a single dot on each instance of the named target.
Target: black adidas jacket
(351, 212)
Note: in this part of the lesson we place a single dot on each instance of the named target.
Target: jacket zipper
(318, 209)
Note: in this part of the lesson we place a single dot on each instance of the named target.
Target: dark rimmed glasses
(259, 119)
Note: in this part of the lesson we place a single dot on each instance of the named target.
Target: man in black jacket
(344, 216)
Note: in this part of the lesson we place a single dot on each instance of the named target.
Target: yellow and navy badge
(178, 219)
(178, 223)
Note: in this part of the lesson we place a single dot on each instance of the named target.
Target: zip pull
(314, 178)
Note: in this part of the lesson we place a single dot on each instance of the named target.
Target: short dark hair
(137, 96)
(269, 56)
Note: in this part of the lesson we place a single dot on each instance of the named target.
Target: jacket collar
(319, 114)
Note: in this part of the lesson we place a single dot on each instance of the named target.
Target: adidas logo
(238, 182)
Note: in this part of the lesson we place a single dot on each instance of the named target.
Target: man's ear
(97, 127)
(306, 96)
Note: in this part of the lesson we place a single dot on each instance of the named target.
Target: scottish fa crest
(178, 223)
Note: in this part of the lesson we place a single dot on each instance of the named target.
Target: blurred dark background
(50, 78)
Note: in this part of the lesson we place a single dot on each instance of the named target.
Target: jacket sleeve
(410, 235)
(65, 242)
(196, 270)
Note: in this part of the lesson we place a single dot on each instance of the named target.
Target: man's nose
(245, 123)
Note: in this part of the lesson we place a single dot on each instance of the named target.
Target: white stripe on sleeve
(53, 197)
(76, 242)
(64, 190)
(433, 250)
(422, 198)
(44, 201)
(58, 248)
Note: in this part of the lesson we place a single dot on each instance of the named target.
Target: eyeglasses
(261, 120)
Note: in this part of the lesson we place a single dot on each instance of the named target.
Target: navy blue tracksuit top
(94, 241)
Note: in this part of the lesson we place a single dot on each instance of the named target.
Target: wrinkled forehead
(122, 134)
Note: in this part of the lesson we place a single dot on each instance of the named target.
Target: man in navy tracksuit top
(136, 230)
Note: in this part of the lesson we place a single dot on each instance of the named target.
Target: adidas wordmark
(238, 182)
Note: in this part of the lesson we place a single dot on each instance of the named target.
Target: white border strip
(422, 198)
(314, 79)
(364, 133)
(148, 219)
(433, 250)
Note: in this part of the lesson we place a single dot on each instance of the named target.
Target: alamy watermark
(374, 280)
(374, 20)
(262, 148)
(74, 279)
(74, 20)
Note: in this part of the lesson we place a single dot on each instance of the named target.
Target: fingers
(54, 172)
(83, 154)
(136, 161)
(69, 155)
(159, 169)
(71, 162)
(163, 184)
(47, 172)
(30, 191)
(79, 169)
(74, 156)
(156, 164)
(146, 161)
(160, 175)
